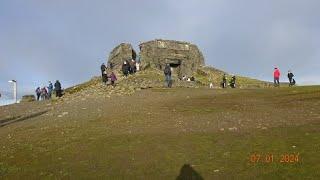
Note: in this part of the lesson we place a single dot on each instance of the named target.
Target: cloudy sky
(43, 40)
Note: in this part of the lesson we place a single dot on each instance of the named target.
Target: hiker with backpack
(276, 77)
(167, 73)
(290, 77)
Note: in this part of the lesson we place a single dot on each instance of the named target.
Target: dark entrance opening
(175, 65)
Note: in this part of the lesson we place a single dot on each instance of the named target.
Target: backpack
(167, 70)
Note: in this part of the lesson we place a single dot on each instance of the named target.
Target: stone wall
(121, 53)
(185, 58)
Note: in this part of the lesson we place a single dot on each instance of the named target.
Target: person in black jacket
(125, 68)
(57, 88)
(167, 73)
(104, 74)
(291, 80)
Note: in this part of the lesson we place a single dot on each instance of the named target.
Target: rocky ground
(134, 131)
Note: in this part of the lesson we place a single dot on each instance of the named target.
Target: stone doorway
(175, 65)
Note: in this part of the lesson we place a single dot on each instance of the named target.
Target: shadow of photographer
(188, 173)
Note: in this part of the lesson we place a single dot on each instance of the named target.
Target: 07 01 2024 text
(272, 158)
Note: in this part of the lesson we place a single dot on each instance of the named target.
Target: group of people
(224, 84)
(105, 76)
(276, 77)
(45, 93)
(277, 74)
(130, 67)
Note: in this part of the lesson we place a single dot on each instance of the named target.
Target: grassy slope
(206, 75)
(154, 78)
(154, 138)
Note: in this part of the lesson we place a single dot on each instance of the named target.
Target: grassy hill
(140, 130)
(162, 133)
(154, 78)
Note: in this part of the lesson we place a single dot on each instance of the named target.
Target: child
(113, 78)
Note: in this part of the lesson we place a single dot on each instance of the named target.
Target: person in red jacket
(276, 76)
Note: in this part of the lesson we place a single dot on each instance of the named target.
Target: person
(104, 75)
(133, 67)
(50, 89)
(125, 68)
(290, 77)
(233, 82)
(276, 77)
(38, 93)
(113, 78)
(167, 73)
(44, 93)
(224, 81)
(57, 87)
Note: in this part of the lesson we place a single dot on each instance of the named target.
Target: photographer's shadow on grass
(188, 173)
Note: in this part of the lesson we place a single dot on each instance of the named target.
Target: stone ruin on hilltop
(185, 58)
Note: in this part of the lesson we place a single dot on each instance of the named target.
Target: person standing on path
(276, 77)
(167, 73)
